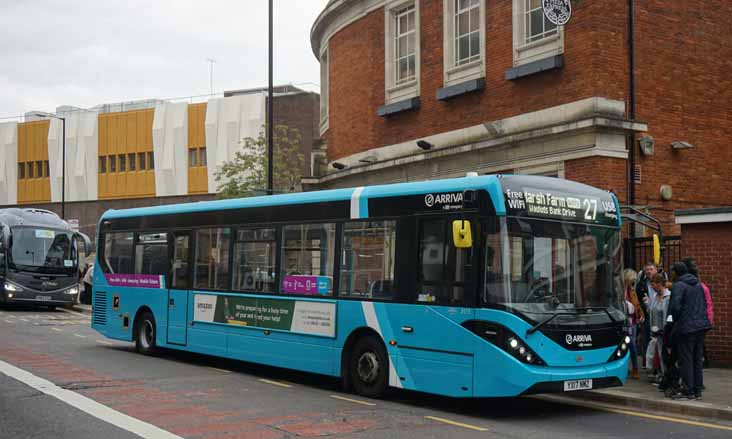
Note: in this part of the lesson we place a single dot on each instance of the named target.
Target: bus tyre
(145, 334)
(369, 367)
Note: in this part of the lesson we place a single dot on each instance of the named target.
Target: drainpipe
(630, 139)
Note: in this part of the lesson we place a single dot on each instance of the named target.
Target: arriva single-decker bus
(481, 286)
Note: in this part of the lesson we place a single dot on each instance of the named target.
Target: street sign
(74, 223)
(557, 11)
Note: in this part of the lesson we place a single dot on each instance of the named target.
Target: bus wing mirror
(462, 236)
(87, 243)
(656, 250)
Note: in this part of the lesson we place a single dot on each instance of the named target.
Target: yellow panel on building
(197, 163)
(34, 184)
(126, 165)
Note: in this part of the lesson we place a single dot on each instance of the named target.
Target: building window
(324, 89)
(536, 24)
(46, 169)
(401, 50)
(21, 171)
(112, 163)
(30, 169)
(534, 37)
(141, 160)
(202, 161)
(122, 163)
(464, 35)
(150, 160)
(367, 267)
(467, 31)
(102, 165)
(192, 158)
(39, 168)
(131, 161)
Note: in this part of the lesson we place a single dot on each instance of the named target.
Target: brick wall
(711, 245)
(684, 90)
(301, 111)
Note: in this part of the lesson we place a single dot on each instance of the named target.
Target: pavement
(643, 396)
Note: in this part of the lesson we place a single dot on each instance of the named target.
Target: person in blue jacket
(688, 310)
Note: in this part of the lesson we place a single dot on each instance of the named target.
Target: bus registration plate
(571, 386)
(43, 297)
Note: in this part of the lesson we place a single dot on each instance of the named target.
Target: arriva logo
(580, 338)
(452, 198)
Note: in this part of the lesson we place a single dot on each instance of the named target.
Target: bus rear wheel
(145, 334)
(369, 367)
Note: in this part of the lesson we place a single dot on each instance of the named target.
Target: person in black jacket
(688, 309)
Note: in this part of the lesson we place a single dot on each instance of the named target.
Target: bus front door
(179, 286)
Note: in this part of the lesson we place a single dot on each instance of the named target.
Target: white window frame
(324, 89)
(409, 89)
(548, 170)
(455, 74)
(523, 52)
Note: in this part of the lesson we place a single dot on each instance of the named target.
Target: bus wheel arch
(144, 331)
(371, 347)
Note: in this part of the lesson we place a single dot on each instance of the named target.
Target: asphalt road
(200, 397)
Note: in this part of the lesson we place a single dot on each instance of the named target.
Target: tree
(246, 174)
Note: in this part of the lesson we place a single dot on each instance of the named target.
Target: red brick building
(493, 86)
(707, 237)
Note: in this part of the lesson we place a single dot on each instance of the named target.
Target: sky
(89, 52)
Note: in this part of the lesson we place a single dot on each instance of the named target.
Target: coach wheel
(369, 367)
(145, 334)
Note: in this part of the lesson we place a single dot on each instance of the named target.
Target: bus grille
(100, 308)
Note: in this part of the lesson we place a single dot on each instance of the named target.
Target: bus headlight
(12, 287)
(621, 350)
(627, 339)
(72, 291)
(503, 338)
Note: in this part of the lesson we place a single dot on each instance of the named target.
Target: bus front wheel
(145, 334)
(369, 367)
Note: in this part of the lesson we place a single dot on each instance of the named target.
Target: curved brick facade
(683, 92)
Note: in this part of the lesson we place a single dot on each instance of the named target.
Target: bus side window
(151, 254)
(308, 257)
(444, 271)
(118, 253)
(368, 259)
(180, 278)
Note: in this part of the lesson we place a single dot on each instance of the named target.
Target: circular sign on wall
(557, 11)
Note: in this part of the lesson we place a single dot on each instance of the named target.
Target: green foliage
(246, 174)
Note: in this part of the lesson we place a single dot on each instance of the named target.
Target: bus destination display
(563, 206)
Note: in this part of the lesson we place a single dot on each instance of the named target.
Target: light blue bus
(483, 286)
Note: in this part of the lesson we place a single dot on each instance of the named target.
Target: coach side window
(118, 253)
(151, 254)
(308, 254)
(254, 260)
(367, 261)
(212, 259)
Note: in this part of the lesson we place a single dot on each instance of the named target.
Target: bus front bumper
(37, 298)
(521, 379)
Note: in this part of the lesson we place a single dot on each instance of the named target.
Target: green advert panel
(305, 317)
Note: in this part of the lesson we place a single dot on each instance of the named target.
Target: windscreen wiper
(604, 308)
(544, 322)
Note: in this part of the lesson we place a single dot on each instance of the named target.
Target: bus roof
(489, 183)
(495, 185)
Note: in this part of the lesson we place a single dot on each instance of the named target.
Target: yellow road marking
(56, 329)
(456, 424)
(220, 370)
(611, 409)
(343, 398)
(23, 320)
(105, 342)
(8, 321)
(80, 336)
(274, 383)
